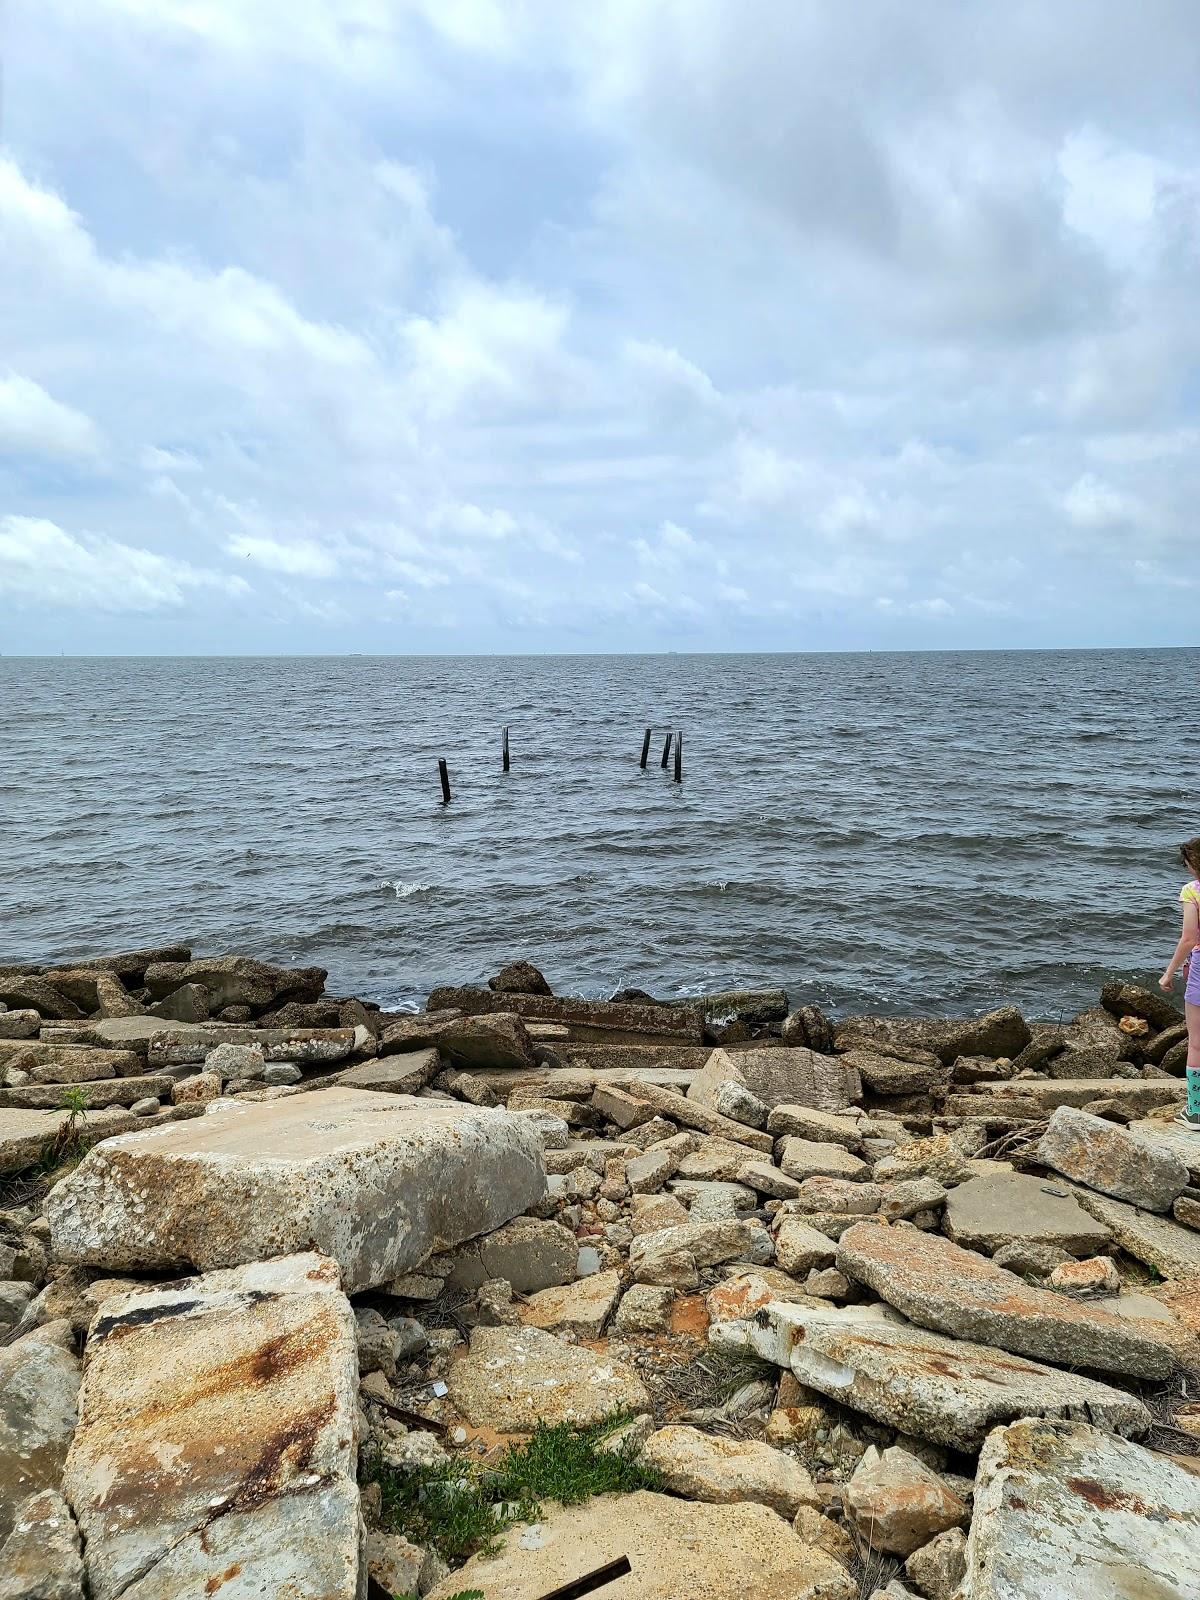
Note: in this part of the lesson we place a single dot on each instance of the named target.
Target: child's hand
(1167, 982)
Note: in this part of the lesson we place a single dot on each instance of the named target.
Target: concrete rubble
(894, 1281)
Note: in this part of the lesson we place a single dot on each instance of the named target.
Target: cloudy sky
(522, 325)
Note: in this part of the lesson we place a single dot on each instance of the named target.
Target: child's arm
(1188, 940)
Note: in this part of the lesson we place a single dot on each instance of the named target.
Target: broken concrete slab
(809, 1158)
(236, 981)
(398, 1074)
(39, 1382)
(684, 1024)
(1168, 1135)
(216, 1438)
(675, 1256)
(1064, 1510)
(1028, 1099)
(655, 1547)
(987, 1214)
(701, 1466)
(1112, 1160)
(498, 1039)
(949, 1391)
(940, 1285)
(27, 1135)
(515, 1377)
(898, 1503)
(1164, 1245)
(583, 1307)
(41, 1559)
(377, 1181)
(692, 1114)
(1003, 1032)
(530, 1253)
(918, 1072)
(779, 1076)
(824, 1127)
(93, 1095)
(68, 1063)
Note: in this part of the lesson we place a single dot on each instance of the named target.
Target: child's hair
(1189, 854)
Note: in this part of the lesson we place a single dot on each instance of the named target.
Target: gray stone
(376, 1181)
(1160, 1243)
(766, 1178)
(733, 1099)
(529, 1252)
(949, 1391)
(644, 1308)
(513, 1377)
(495, 1040)
(236, 1061)
(898, 1075)
(808, 1158)
(276, 1073)
(674, 1256)
(1030, 1260)
(1003, 1032)
(95, 1096)
(800, 1248)
(224, 1408)
(397, 1074)
(1168, 1135)
(519, 977)
(237, 981)
(824, 1127)
(1064, 1511)
(39, 1382)
(41, 1560)
(779, 1076)
(19, 1024)
(911, 1197)
(188, 1003)
(942, 1286)
(938, 1567)
(988, 1213)
(712, 1202)
(1112, 1160)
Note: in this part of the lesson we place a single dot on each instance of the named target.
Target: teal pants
(1193, 1088)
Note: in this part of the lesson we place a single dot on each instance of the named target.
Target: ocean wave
(403, 890)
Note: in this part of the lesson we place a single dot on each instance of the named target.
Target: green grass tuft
(461, 1507)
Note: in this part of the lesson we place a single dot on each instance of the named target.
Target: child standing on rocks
(1189, 854)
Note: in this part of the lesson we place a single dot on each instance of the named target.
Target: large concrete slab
(1168, 1135)
(1026, 1099)
(216, 1443)
(941, 1286)
(1064, 1511)
(95, 1096)
(376, 1181)
(683, 1023)
(989, 1212)
(27, 1135)
(1112, 1160)
(950, 1391)
(656, 1548)
(39, 1382)
(1160, 1243)
(780, 1076)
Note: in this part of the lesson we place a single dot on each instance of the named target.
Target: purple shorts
(1191, 992)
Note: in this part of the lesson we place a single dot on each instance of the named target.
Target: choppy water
(897, 832)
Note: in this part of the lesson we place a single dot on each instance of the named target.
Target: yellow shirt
(1191, 892)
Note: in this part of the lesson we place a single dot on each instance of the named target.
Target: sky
(444, 326)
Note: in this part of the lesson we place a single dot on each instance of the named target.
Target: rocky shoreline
(303, 1298)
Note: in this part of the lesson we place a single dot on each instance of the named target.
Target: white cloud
(299, 558)
(1094, 505)
(42, 564)
(33, 423)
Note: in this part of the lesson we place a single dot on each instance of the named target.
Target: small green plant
(67, 1143)
(460, 1508)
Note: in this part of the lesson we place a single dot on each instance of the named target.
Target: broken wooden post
(678, 758)
(645, 749)
(445, 777)
(505, 757)
(666, 752)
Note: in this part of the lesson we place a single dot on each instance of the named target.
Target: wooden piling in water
(666, 755)
(678, 758)
(445, 777)
(645, 749)
(505, 754)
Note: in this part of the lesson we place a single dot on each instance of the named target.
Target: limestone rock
(1160, 1243)
(809, 1158)
(235, 1061)
(201, 1087)
(1112, 1160)
(674, 1256)
(674, 1548)
(644, 1308)
(224, 1408)
(1064, 1510)
(39, 1382)
(734, 1100)
(949, 1391)
(398, 1074)
(911, 1197)
(1098, 1275)
(942, 1286)
(41, 1560)
(188, 1003)
(514, 1376)
(530, 1253)
(376, 1181)
(799, 1248)
(988, 1213)
(19, 1024)
(896, 1075)
(823, 1127)
(938, 1567)
(1003, 1032)
(898, 1504)
(702, 1466)
(779, 1077)
(583, 1307)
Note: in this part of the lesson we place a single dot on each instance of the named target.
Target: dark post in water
(678, 758)
(505, 747)
(666, 753)
(445, 777)
(645, 749)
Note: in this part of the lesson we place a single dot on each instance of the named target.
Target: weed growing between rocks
(461, 1509)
